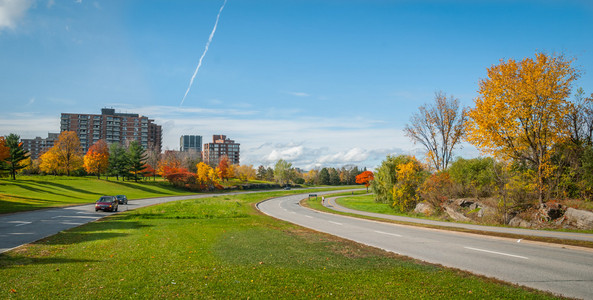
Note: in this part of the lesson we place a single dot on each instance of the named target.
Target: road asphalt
(566, 271)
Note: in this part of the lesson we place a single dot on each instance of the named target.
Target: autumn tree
(12, 149)
(224, 168)
(68, 152)
(410, 176)
(137, 159)
(245, 172)
(521, 111)
(385, 177)
(4, 150)
(365, 178)
(206, 177)
(48, 163)
(168, 163)
(439, 127)
(96, 159)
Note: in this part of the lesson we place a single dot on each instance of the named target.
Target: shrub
(473, 177)
(436, 189)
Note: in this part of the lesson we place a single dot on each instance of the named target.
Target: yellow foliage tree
(49, 163)
(68, 152)
(244, 172)
(409, 177)
(206, 175)
(521, 110)
(96, 159)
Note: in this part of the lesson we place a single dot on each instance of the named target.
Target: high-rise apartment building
(38, 145)
(113, 128)
(220, 147)
(190, 143)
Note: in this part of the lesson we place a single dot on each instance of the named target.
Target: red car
(106, 203)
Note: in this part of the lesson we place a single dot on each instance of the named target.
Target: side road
(331, 204)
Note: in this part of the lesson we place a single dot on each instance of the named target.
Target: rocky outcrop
(457, 216)
(579, 219)
(424, 208)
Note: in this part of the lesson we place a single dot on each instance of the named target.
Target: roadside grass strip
(222, 247)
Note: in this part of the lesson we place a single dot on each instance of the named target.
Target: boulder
(457, 216)
(580, 219)
(424, 208)
(520, 222)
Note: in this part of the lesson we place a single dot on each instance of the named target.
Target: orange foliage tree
(224, 168)
(4, 151)
(365, 178)
(521, 111)
(96, 159)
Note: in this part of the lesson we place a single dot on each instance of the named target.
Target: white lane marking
(387, 233)
(19, 223)
(494, 252)
(309, 217)
(20, 233)
(71, 223)
(335, 223)
(78, 217)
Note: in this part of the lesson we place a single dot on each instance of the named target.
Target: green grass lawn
(221, 247)
(35, 192)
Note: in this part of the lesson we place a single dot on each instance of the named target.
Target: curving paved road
(331, 204)
(563, 270)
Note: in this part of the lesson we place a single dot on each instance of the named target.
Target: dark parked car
(106, 203)
(122, 199)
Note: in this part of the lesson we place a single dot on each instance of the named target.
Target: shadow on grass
(8, 261)
(28, 187)
(144, 188)
(63, 186)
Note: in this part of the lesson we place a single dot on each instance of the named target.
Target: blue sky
(318, 83)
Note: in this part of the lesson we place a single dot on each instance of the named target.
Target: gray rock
(580, 219)
(456, 215)
(424, 208)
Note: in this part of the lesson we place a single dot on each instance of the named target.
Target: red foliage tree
(365, 178)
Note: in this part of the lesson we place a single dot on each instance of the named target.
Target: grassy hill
(35, 192)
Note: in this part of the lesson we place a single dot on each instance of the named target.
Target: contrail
(203, 54)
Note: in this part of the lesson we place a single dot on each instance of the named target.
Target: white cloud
(50, 3)
(11, 11)
(299, 94)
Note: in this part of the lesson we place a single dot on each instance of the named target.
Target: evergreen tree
(118, 160)
(136, 159)
(324, 177)
(16, 155)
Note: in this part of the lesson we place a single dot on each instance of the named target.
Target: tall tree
(439, 127)
(334, 176)
(324, 176)
(521, 111)
(96, 159)
(137, 159)
(68, 152)
(261, 173)
(49, 163)
(118, 161)
(224, 168)
(365, 178)
(16, 154)
(4, 150)
(282, 171)
(580, 119)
